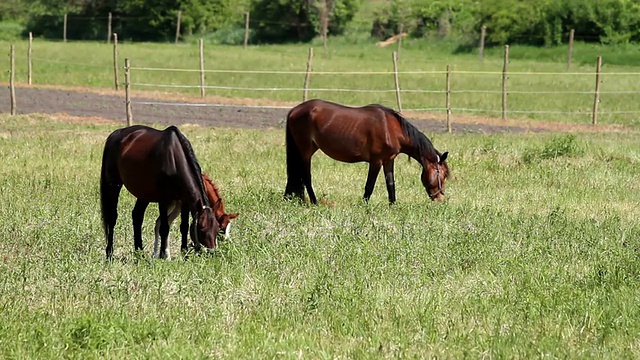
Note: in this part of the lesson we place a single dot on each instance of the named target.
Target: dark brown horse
(372, 133)
(213, 194)
(155, 166)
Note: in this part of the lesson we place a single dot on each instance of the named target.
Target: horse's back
(145, 156)
(348, 134)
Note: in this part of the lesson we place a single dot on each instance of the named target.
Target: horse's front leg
(374, 170)
(137, 216)
(164, 230)
(389, 179)
(184, 227)
(172, 210)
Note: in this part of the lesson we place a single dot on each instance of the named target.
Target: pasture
(534, 253)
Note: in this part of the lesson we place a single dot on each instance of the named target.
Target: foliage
(299, 20)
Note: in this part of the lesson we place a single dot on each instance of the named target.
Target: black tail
(295, 185)
(109, 187)
(103, 189)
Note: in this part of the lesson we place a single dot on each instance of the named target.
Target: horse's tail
(106, 196)
(295, 185)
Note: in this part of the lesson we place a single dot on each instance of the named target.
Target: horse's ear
(443, 158)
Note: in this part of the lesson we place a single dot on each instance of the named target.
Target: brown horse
(372, 133)
(155, 166)
(213, 194)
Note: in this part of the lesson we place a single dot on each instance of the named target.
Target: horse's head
(213, 194)
(205, 228)
(434, 176)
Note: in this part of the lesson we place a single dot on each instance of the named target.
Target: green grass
(540, 86)
(534, 254)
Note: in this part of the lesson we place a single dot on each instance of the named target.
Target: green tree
(298, 20)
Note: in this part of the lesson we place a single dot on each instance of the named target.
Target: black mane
(193, 162)
(423, 145)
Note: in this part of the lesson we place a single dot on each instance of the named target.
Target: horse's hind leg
(306, 180)
(372, 176)
(138, 216)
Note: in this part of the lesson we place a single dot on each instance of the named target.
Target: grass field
(540, 86)
(534, 254)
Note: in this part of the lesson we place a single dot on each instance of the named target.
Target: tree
(299, 20)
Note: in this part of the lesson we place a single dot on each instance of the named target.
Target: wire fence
(535, 97)
(569, 96)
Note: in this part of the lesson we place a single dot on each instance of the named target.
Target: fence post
(397, 81)
(448, 99)
(127, 91)
(115, 61)
(178, 25)
(12, 85)
(307, 75)
(64, 29)
(201, 42)
(29, 50)
(109, 28)
(504, 82)
(483, 34)
(571, 34)
(246, 30)
(596, 97)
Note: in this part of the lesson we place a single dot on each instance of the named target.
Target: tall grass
(534, 254)
(540, 86)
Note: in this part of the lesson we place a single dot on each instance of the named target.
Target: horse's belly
(343, 148)
(140, 181)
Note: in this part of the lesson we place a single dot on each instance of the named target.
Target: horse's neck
(409, 148)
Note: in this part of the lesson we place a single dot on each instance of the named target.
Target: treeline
(534, 22)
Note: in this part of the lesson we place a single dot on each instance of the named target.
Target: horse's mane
(423, 145)
(216, 191)
(193, 162)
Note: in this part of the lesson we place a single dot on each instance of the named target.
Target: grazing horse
(213, 194)
(372, 133)
(155, 166)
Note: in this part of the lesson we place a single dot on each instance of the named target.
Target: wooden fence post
(307, 76)
(448, 99)
(178, 25)
(246, 30)
(570, 55)
(64, 28)
(109, 28)
(397, 80)
(202, 91)
(127, 93)
(115, 62)
(596, 97)
(505, 76)
(29, 62)
(483, 34)
(12, 85)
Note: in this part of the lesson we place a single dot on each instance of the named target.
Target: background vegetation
(534, 254)
(532, 22)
